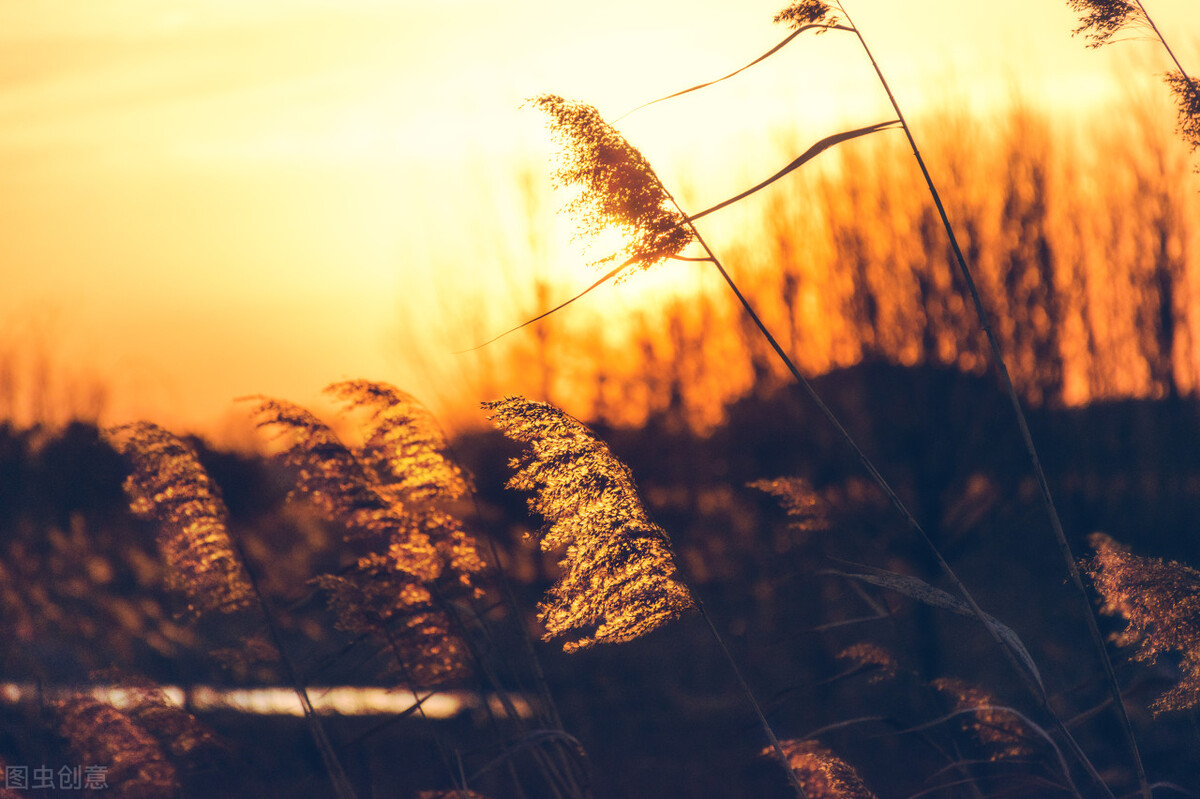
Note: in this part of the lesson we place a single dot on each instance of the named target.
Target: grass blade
(762, 57)
(936, 597)
(808, 155)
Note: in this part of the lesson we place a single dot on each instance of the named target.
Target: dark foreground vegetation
(83, 591)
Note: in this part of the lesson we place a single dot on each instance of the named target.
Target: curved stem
(1026, 438)
(1037, 691)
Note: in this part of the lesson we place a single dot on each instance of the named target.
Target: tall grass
(619, 190)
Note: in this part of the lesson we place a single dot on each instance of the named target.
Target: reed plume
(408, 455)
(1187, 95)
(334, 481)
(997, 729)
(807, 12)
(376, 601)
(168, 484)
(404, 441)
(872, 658)
(390, 495)
(100, 734)
(617, 188)
(1160, 600)
(1102, 19)
(618, 579)
(823, 774)
(805, 510)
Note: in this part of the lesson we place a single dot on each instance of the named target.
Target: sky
(209, 199)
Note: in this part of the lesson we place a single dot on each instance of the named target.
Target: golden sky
(209, 198)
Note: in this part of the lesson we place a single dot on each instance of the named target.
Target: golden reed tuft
(1103, 19)
(408, 455)
(168, 484)
(98, 733)
(617, 187)
(618, 580)
(404, 441)
(806, 511)
(333, 480)
(998, 730)
(823, 774)
(393, 495)
(1161, 602)
(403, 615)
(873, 658)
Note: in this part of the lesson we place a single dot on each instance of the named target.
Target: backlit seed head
(617, 189)
(1000, 731)
(168, 484)
(618, 579)
(1161, 601)
(1102, 19)
(1187, 95)
(823, 774)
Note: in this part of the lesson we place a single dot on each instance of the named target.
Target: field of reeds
(897, 500)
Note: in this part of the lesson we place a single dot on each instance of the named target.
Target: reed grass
(1160, 601)
(168, 484)
(823, 774)
(584, 144)
(619, 580)
(1103, 19)
(586, 138)
(411, 582)
(619, 577)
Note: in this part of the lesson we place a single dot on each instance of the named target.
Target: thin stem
(793, 778)
(489, 674)
(549, 705)
(406, 676)
(1026, 438)
(539, 674)
(1166, 46)
(341, 783)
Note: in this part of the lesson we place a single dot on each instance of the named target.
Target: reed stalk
(1060, 537)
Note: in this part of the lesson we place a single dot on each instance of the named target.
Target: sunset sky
(203, 200)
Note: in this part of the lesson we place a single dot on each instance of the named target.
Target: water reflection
(339, 700)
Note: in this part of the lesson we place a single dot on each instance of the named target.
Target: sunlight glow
(270, 701)
(221, 198)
